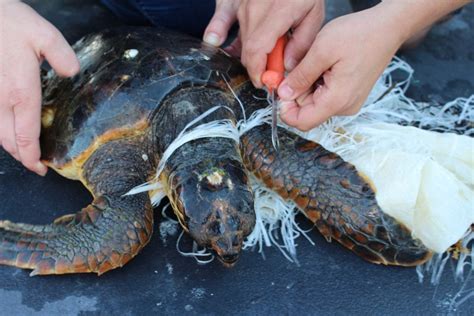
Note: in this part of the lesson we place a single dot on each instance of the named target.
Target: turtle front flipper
(102, 236)
(332, 194)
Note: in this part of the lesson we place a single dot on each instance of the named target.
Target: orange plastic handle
(275, 72)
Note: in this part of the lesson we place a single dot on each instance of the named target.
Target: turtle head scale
(224, 232)
(216, 206)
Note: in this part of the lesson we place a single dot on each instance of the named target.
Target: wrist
(388, 24)
(410, 17)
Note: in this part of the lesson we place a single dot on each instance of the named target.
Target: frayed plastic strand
(221, 128)
(275, 220)
(463, 271)
(165, 216)
(196, 253)
(464, 262)
(168, 225)
(242, 108)
(259, 117)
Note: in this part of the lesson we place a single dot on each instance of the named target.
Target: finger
(26, 102)
(58, 52)
(305, 74)
(255, 53)
(220, 24)
(315, 110)
(259, 41)
(234, 48)
(7, 133)
(302, 37)
(353, 110)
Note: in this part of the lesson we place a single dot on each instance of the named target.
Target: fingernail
(212, 39)
(285, 91)
(256, 82)
(284, 106)
(41, 169)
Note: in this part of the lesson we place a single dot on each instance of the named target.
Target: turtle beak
(227, 248)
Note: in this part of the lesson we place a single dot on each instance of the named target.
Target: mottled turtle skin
(109, 126)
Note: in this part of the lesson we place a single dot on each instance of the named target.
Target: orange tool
(272, 78)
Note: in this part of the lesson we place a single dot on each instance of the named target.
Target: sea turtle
(109, 125)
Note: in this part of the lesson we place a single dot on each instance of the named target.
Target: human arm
(350, 53)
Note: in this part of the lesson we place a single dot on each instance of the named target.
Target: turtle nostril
(236, 241)
(217, 228)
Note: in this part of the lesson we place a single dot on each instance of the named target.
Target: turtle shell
(125, 75)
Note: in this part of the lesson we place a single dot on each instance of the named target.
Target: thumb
(313, 110)
(59, 53)
(304, 75)
(224, 16)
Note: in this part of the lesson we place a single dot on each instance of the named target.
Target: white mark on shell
(230, 184)
(145, 157)
(184, 107)
(130, 53)
(215, 178)
(47, 117)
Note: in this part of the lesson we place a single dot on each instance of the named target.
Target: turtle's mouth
(227, 249)
(228, 260)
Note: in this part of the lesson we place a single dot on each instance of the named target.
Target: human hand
(260, 30)
(350, 53)
(263, 22)
(26, 38)
(224, 17)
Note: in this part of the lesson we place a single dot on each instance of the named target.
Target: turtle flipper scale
(102, 236)
(332, 194)
(96, 240)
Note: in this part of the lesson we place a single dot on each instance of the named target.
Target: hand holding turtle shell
(27, 38)
(224, 16)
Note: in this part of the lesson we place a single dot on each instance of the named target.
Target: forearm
(412, 16)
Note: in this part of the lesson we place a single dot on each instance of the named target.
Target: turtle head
(215, 205)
